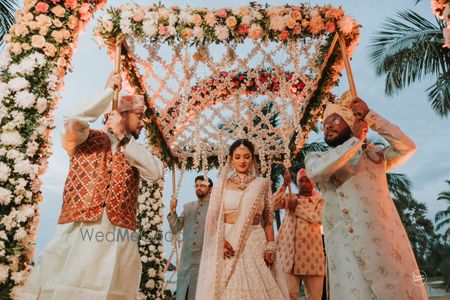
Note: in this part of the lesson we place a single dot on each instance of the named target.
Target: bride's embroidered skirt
(251, 278)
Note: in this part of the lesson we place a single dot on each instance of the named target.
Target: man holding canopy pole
(369, 255)
(94, 253)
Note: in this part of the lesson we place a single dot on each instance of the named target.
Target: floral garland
(151, 242)
(33, 65)
(204, 26)
(209, 92)
(441, 8)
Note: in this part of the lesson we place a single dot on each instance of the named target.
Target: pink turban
(302, 173)
(131, 102)
(343, 111)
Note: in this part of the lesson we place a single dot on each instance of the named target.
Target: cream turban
(131, 102)
(341, 110)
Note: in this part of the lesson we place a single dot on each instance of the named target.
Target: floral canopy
(212, 76)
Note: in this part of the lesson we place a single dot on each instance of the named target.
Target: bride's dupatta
(210, 285)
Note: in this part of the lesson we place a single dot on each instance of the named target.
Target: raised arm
(400, 148)
(320, 166)
(76, 123)
(176, 222)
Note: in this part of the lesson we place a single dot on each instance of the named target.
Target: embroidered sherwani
(192, 222)
(299, 242)
(369, 255)
(93, 254)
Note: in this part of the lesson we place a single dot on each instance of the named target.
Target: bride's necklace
(242, 180)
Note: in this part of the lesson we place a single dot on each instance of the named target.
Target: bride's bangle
(271, 247)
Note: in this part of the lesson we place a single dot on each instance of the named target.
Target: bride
(239, 247)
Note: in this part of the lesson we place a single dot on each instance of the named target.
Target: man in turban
(369, 255)
(94, 253)
(300, 256)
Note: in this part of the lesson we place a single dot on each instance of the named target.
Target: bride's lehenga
(246, 275)
(251, 278)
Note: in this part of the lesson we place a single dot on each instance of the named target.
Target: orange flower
(197, 20)
(296, 15)
(231, 22)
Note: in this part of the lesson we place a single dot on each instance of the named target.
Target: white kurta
(369, 255)
(75, 265)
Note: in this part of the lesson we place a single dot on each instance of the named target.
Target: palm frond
(407, 49)
(439, 95)
(399, 185)
(441, 225)
(442, 214)
(7, 9)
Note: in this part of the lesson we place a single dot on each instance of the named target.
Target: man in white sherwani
(369, 255)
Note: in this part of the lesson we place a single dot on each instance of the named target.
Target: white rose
(157, 194)
(198, 32)
(4, 272)
(20, 234)
(221, 32)
(12, 138)
(14, 154)
(157, 219)
(41, 105)
(23, 167)
(18, 277)
(4, 91)
(144, 259)
(150, 284)
(3, 235)
(5, 196)
(152, 248)
(39, 58)
(151, 272)
(150, 28)
(4, 172)
(27, 65)
(25, 99)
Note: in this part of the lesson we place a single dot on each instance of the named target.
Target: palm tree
(7, 9)
(409, 48)
(443, 216)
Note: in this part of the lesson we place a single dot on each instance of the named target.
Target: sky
(428, 168)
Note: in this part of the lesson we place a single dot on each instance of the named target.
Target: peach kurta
(369, 255)
(299, 241)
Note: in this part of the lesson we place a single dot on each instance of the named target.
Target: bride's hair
(236, 144)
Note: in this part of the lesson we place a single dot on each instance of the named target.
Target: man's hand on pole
(115, 124)
(173, 205)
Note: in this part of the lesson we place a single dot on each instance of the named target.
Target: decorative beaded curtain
(208, 96)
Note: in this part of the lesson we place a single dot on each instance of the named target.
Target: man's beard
(200, 194)
(340, 139)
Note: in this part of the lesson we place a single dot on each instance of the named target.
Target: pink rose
(283, 35)
(221, 13)
(243, 29)
(49, 49)
(71, 4)
(41, 7)
(210, 19)
(163, 30)
(330, 27)
(37, 41)
(54, 1)
(59, 11)
(72, 23)
(138, 17)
